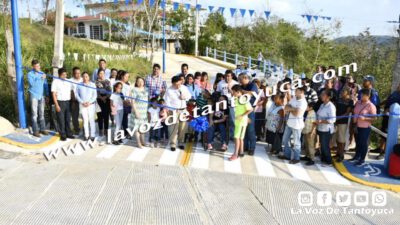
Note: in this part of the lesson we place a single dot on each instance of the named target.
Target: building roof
(83, 18)
(125, 14)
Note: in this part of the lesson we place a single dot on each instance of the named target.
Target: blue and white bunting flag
(267, 13)
(175, 6)
(309, 17)
(251, 12)
(187, 6)
(233, 11)
(242, 12)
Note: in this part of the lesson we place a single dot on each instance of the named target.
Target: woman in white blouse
(326, 117)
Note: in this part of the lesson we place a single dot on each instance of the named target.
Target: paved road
(104, 186)
(194, 156)
(125, 185)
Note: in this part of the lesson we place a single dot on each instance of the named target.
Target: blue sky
(355, 15)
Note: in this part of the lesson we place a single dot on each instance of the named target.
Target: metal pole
(18, 64)
(196, 48)
(163, 32)
(58, 58)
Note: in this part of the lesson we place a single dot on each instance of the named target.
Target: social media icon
(361, 198)
(305, 198)
(379, 198)
(343, 198)
(324, 198)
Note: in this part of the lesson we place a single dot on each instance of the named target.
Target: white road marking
(138, 154)
(109, 151)
(297, 171)
(169, 157)
(231, 166)
(201, 158)
(263, 163)
(332, 175)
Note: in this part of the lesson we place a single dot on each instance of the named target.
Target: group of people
(311, 116)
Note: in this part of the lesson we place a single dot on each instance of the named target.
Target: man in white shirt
(102, 65)
(76, 79)
(175, 98)
(224, 87)
(61, 91)
(295, 124)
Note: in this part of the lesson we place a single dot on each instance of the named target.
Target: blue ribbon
(199, 124)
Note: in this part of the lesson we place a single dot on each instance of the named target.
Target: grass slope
(37, 43)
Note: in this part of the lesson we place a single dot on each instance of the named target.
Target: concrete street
(125, 185)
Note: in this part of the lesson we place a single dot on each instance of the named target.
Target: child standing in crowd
(153, 114)
(163, 115)
(117, 110)
(204, 84)
(241, 121)
(197, 78)
(218, 121)
(362, 121)
(260, 110)
(309, 134)
(113, 77)
(275, 124)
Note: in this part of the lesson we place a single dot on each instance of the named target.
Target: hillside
(37, 43)
(384, 41)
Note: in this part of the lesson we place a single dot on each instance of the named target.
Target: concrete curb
(344, 172)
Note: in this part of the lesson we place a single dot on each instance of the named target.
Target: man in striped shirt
(310, 94)
(155, 84)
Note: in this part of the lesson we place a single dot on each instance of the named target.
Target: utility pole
(396, 71)
(18, 64)
(196, 48)
(58, 58)
(164, 4)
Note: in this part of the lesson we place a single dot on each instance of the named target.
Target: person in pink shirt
(363, 112)
(204, 84)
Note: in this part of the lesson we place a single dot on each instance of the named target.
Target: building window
(96, 32)
(81, 28)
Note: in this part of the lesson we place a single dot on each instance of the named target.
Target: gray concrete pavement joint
(262, 203)
(119, 194)
(197, 198)
(98, 195)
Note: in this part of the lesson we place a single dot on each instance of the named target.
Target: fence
(253, 63)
